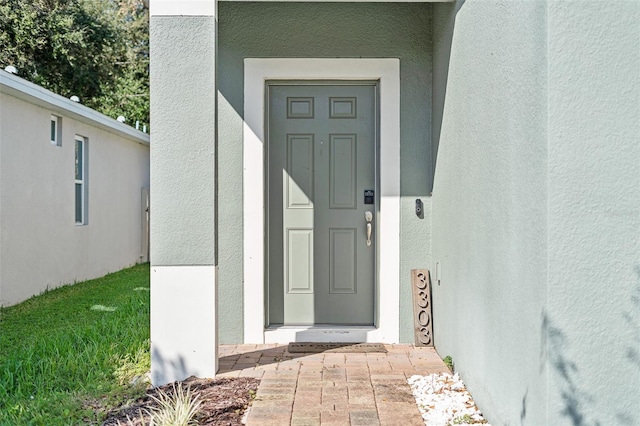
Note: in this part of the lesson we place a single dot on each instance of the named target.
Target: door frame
(256, 72)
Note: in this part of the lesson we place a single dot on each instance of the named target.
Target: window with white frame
(81, 180)
(56, 130)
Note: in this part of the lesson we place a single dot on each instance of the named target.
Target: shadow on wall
(523, 410)
(632, 353)
(165, 371)
(444, 18)
(554, 351)
(632, 320)
(339, 30)
(563, 368)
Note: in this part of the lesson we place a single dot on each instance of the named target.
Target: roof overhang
(27, 91)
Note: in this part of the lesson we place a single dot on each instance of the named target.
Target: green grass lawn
(69, 354)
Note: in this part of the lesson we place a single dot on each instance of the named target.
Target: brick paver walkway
(330, 388)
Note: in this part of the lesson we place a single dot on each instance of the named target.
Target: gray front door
(321, 191)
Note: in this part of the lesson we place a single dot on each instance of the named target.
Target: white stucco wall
(536, 207)
(40, 244)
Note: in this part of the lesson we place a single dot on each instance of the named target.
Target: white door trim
(256, 72)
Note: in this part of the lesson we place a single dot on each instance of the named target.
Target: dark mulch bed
(222, 402)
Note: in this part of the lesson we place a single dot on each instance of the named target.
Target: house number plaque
(423, 326)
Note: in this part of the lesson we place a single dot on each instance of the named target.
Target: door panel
(343, 261)
(300, 171)
(342, 184)
(321, 159)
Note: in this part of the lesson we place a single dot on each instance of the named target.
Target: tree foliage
(97, 50)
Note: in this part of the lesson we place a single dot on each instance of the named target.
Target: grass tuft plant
(132, 369)
(467, 420)
(448, 361)
(175, 408)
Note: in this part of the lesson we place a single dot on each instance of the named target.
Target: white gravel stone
(443, 400)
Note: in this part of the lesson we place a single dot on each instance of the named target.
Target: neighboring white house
(516, 123)
(73, 188)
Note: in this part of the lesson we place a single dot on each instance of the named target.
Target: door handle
(368, 217)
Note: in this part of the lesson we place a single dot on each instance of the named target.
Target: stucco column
(183, 189)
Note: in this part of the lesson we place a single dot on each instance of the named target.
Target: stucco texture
(489, 203)
(536, 207)
(255, 30)
(183, 147)
(40, 245)
(593, 314)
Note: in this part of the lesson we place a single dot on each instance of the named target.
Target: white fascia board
(182, 8)
(37, 95)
